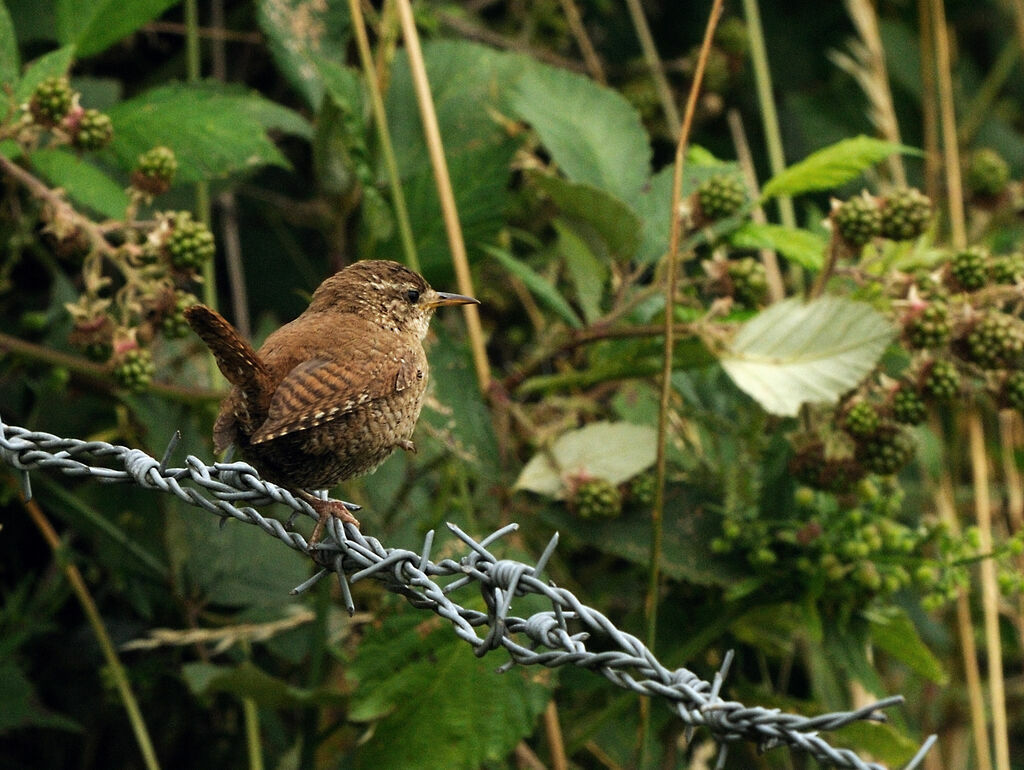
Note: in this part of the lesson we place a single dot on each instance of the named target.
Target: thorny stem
(947, 116)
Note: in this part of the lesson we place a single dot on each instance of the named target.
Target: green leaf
(82, 181)
(588, 273)
(10, 62)
(614, 221)
(94, 25)
(593, 133)
(247, 681)
(434, 702)
(22, 706)
(794, 353)
(614, 451)
(51, 65)
(214, 130)
(805, 248)
(897, 636)
(303, 37)
(832, 166)
(537, 284)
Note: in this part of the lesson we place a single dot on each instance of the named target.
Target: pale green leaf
(214, 130)
(805, 248)
(10, 62)
(832, 166)
(614, 451)
(587, 272)
(538, 285)
(896, 635)
(94, 25)
(50, 65)
(82, 181)
(247, 681)
(593, 133)
(795, 353)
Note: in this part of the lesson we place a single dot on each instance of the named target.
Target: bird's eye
(413, 295)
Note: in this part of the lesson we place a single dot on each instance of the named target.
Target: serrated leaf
(805, 248)
(10, 62)
(593, 133)
(434, 702)
(50, 65)
(614, 451)
(538, 285)
(616, 223)
(94, 25)
(214, 130)
(795, 353)
(304, 37)
(897, 636)
(82, 181)
(832, 166)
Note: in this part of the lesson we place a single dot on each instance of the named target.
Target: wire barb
(543, 638)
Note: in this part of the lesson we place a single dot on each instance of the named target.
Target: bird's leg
(407, 445)
(325, 509)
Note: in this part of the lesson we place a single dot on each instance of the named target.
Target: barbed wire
(352, 556)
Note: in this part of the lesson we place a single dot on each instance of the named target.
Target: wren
(330, 395)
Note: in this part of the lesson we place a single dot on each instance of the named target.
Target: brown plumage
(332, 394)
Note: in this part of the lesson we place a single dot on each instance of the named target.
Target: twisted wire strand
(552, 638)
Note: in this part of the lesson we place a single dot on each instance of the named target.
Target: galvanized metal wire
(555, 637)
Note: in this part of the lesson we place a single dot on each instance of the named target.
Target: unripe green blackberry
(810, 466)
(996, 341)
(749, 281)
(908, 407)
(858, 220)
(886, 451)
(942, 381)
(731, 36)
(643, 487)
(987, 173)
(1013, 391)
(861, 420)
(92, 130)
(51, 101)
(721, 196)
(905, 214)
(173, 325)
(134, 369)
(929, 326)
(190, 244)
(967, 268)
(1006, 268)
(596, 498)
(155, 171)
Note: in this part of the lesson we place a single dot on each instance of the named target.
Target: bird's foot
(407, 445)
(325, 509)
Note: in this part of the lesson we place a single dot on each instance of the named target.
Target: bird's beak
(444, 298)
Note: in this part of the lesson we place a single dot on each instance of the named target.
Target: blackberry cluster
(858, 220)
(643, 487)
(749, 282)
(811, 466)
(721, 196)
(92, 130)
(987, 173)
(134, 369)
(929, 327)
(596, 498)
(942, 382)
(1013, 391)
(907, 405)
(967, 268)
(861, 420)
(173, 325)
(997, 340)
(886, 450)
(190, 244)
(905, 214)
(51, 101)
(155, 171)
(1007, 268)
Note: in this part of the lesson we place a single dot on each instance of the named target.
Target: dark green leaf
(248, 681)
(94, 25)
(215, 130)
(805, 248)
(51, 65)
(589, 274)
(593, 134)
(538, 285)
(21, 705)
(83, 182)
(832, 166)
(896, 635)
(434, 702)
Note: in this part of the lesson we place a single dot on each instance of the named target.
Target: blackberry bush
(134, 369)
(987, 173)
(155, 171)
(721, 196)
(928, 327)
(749, 281)
(1007, 268)
(92, 130)
(886, 451)
(941, 382)
(905, 214)
(190, 244)
(51, 101)
(908, 407)
(858, 220)
(995, 341)
(967, 268)
(1013, 391)
(861, 420)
